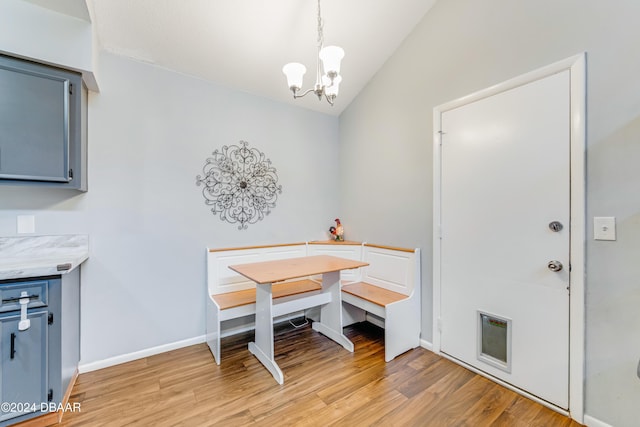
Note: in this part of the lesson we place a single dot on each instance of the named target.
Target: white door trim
(577, 68)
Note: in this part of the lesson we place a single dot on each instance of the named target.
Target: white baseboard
(594, 422)
(124, 358)
(426, 344)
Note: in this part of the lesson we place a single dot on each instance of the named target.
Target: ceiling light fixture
(327, 83)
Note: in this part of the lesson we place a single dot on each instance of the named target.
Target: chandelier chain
(320, 25)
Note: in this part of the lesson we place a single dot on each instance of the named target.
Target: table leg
(330, 323)
(262, 348)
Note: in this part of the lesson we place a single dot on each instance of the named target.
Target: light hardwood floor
(324, 385)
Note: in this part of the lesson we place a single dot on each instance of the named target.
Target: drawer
(35, 289)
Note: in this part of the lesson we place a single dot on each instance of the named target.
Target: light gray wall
(462, 46)
(31, 31)
(150, 131)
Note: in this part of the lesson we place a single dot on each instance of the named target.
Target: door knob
(554, 265)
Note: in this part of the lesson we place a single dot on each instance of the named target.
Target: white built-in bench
(388, 288)
(232, 296)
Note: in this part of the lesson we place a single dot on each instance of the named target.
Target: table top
(291, 268)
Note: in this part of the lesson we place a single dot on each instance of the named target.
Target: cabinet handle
(63, 267)
(15, 299)
(13, 346)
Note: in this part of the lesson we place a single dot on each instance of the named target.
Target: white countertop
(33, 256)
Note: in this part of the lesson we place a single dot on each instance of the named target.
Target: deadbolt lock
(555, 226)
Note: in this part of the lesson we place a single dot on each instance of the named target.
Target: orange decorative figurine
(338, 231)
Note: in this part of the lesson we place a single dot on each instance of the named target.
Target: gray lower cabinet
(24, 364)
(38, 362)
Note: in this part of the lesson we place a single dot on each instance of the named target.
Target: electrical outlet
(26, 224)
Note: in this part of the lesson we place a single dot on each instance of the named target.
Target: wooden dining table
(266, 273)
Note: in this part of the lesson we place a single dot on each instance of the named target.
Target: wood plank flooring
(325, 385)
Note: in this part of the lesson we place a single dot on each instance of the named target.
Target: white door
(505, 210)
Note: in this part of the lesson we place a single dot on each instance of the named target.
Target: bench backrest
(395, 269)
(349, 250)
(221, 279)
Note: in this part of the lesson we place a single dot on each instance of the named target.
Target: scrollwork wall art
(240, 184)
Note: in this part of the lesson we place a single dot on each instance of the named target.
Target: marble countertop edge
(35, 256)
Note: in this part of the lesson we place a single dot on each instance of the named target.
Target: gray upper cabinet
(42, 125)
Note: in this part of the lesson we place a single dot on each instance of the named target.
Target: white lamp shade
(294, 72)
(331, 89)
(331, 57)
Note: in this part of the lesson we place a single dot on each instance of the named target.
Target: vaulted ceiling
(244, 43)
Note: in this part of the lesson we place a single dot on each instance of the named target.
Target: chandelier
(327, 83)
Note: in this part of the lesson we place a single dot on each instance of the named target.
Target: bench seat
(373, 294)
(279, 290)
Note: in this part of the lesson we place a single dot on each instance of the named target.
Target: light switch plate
(26, 224)
(604, 228)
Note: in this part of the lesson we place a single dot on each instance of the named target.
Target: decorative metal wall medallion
(240, 183)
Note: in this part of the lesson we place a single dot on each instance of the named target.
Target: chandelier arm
(295, 95)
(329, 98)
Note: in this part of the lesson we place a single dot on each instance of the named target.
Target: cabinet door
(23, 374)
(34, 126)
(43, 126)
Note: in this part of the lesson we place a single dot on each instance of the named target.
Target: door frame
(577, 71)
